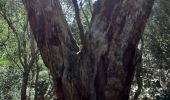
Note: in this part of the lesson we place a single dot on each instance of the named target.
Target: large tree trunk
(103, 69)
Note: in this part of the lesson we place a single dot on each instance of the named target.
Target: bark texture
(103, 69)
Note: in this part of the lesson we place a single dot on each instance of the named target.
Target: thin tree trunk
(139, 82)
(36, 82)
(104, 68)
(24, 85)
(139, 69)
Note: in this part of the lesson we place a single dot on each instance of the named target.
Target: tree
(103, 69)
(22, 34)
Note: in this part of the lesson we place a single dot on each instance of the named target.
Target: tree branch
(16, 34)
(90, 5)
(15, 62)
(79, 23)
(81, 4)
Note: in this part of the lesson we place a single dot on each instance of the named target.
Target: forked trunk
(104, 68)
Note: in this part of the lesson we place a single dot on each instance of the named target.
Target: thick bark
(104, 68)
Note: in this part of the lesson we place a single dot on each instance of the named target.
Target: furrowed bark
(114, 33)
(54, 41)
(104, 68)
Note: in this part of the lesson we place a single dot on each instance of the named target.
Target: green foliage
(156, 53)
(164, 95)
(9, 82)
(15, 50)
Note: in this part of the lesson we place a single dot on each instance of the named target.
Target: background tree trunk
(24, 85)
(103, 69)
(36, 81)
(139, 70)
